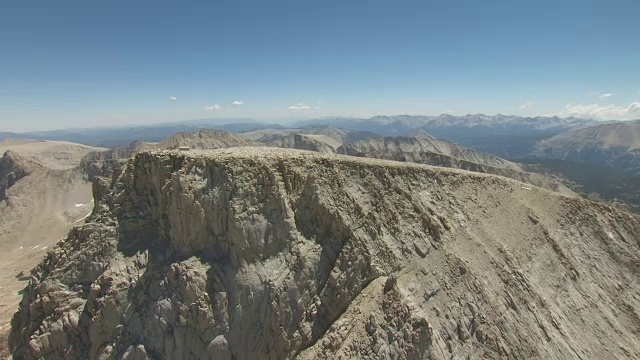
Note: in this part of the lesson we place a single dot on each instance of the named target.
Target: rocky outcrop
(13, 168)
(265, 253)
(109, 163)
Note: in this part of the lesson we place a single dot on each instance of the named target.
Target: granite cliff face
(265, 253)
(110, 162)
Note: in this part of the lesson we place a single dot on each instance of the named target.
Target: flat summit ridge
(287, 154)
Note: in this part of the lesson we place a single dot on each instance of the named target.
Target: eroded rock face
(12, 169)
(261, 253)
(105, 163)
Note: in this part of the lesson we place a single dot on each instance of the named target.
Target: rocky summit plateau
(267, 253)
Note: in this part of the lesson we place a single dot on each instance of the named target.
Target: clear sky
(70, 63)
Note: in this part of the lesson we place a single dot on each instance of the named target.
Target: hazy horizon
(74, 64)
(276, 121)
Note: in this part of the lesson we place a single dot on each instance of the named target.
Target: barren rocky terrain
(44, 191)
(56, 155)
(41, 197)
(265, 253)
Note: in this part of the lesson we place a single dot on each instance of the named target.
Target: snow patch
(86, 216)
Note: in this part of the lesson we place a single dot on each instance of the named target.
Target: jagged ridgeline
(266, 253)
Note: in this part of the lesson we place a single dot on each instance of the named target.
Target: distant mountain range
(123, 136)
(9, 135)
(616, 144)
(420, 147)
(505, 124)
(403, 137)
(507, 136)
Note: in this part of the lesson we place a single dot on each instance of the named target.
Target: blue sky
(86, 63)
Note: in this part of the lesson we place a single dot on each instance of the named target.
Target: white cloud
(215, 107)
(238, 103)
(607, 112)
(173, 98)
(299, 106)
(601, 95)
(527, 105)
